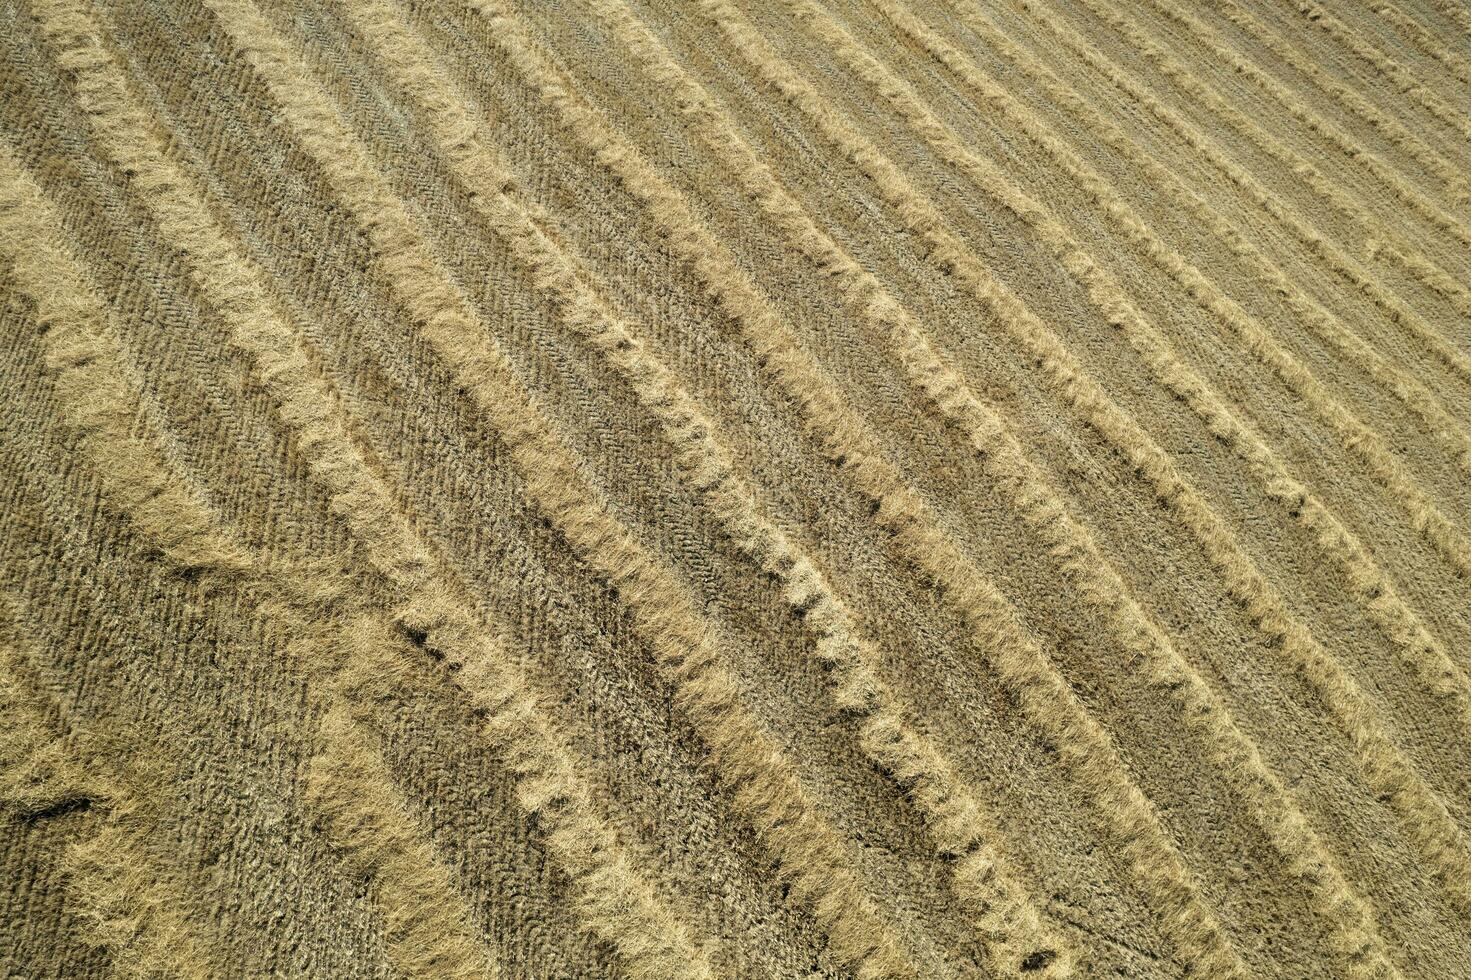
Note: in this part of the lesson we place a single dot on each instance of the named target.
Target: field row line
(1110, 299)
(1421, 810)
(1386, 67)
(1325, 324)
(620, 157)
(1390, 306)
(1374, 236)
(959, 820)
(762, 778)
(1379, 239)
(615, 898)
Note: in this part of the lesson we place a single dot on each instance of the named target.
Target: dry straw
(1380, 240)
(1401, 78)
(1044, 695)
(615, 898)
(1437, 420)
(1333, 257)
(958, 816)
(359, 632)
(1103, 288)
(762, 779)
(1450, 176)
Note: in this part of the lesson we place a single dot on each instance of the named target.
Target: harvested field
(696, 488)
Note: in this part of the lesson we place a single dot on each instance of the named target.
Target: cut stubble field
(799, 488)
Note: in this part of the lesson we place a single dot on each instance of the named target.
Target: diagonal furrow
(1361, 577)
(1370, 229)
(1354, 435)
(1334, 258)
(617, 902)
(1386, 67)
(1451, 175)
(1383, 241)
(1424, 815)
(1408, 389)
(761, 777)
(1457, 66)
(959, 818)
(1045, 696)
